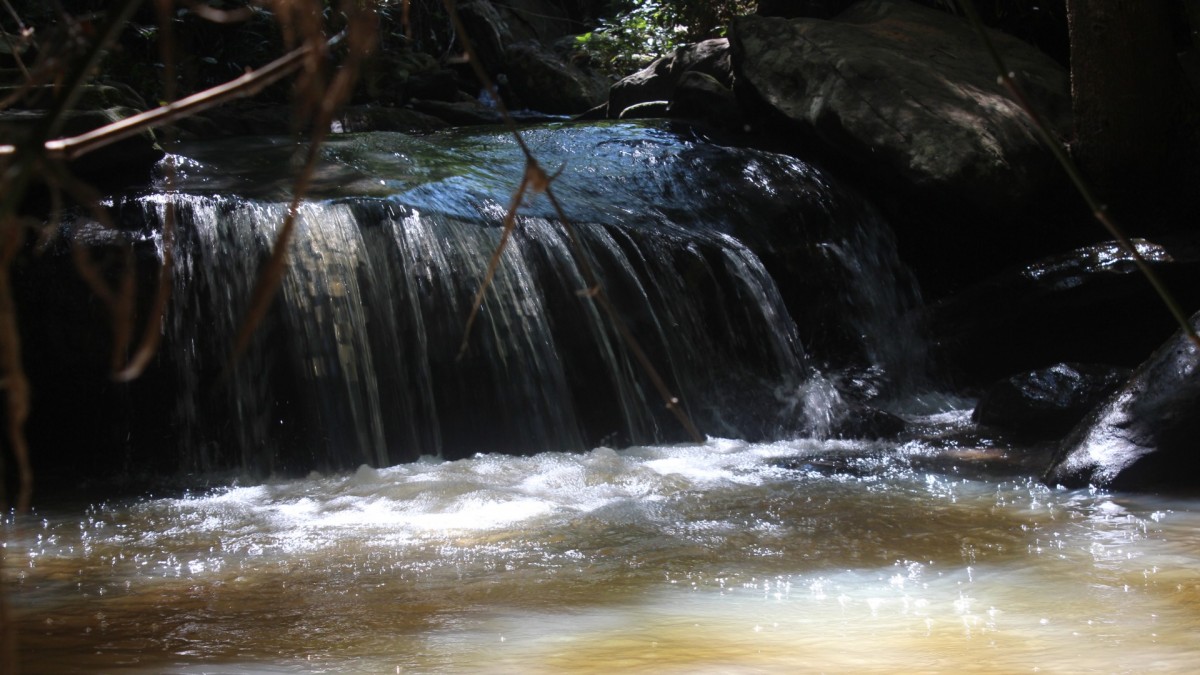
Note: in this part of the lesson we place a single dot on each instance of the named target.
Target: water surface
(723, 557)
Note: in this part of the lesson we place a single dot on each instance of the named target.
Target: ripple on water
(729, 556)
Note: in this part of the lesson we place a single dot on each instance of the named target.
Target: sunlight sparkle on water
(723, 557)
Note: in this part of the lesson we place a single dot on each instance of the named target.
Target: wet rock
(379, 118)
(1144, 436)
(1090, 305)
(657, 81)
(863, 422)
(1045, 404)
(544, 81)
(249, 119)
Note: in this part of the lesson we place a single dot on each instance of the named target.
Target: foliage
(642, 30)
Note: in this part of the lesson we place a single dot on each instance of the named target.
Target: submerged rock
(1145, 435)
(1046, 403)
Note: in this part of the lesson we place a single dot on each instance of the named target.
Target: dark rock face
(1075, 307)
(911, 89)
(1045, 404)
(1145, 435)
(699, 96)
(488, 32)
(544, 81)
(658, 81)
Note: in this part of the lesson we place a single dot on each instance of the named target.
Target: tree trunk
(1125, 91)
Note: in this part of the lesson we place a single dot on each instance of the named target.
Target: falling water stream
(530, 508)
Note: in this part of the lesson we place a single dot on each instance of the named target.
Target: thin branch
(15, 382)
(510, 223)
(1099, 210)
(248, 84)
(210, 13)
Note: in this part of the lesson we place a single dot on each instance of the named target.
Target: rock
(863, 422)
(1075, 307)
(379, 118)
(1045, 404)
(461, 113)
(393, 78)
(546, 82)
(700, 97)
(540, 20)
(657, 81)
(908, 96)
(1145, 436)
(244, 119)
(488, 32)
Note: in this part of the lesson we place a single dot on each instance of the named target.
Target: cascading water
(359, 362)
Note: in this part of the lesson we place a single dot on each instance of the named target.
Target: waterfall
(730, 266)
(362, 347)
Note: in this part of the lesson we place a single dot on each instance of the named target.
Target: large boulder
(544, 81)
(906, 98)
(1146, 434)
(657, 81)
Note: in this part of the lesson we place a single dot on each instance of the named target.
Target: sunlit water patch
(723, 557)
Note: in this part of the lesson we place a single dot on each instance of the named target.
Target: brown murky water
(726, 557)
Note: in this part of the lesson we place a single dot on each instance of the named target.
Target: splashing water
(723, 557)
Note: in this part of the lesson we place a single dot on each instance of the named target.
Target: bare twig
(15, 382)
(210, 13)
(509, 224)
(25, 33)
(1099, 210)
(248, 84)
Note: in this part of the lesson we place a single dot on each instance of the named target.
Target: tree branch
(246, 85)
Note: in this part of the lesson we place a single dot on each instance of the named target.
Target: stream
(803, 555)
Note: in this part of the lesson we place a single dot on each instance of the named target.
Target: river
(793, 556)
